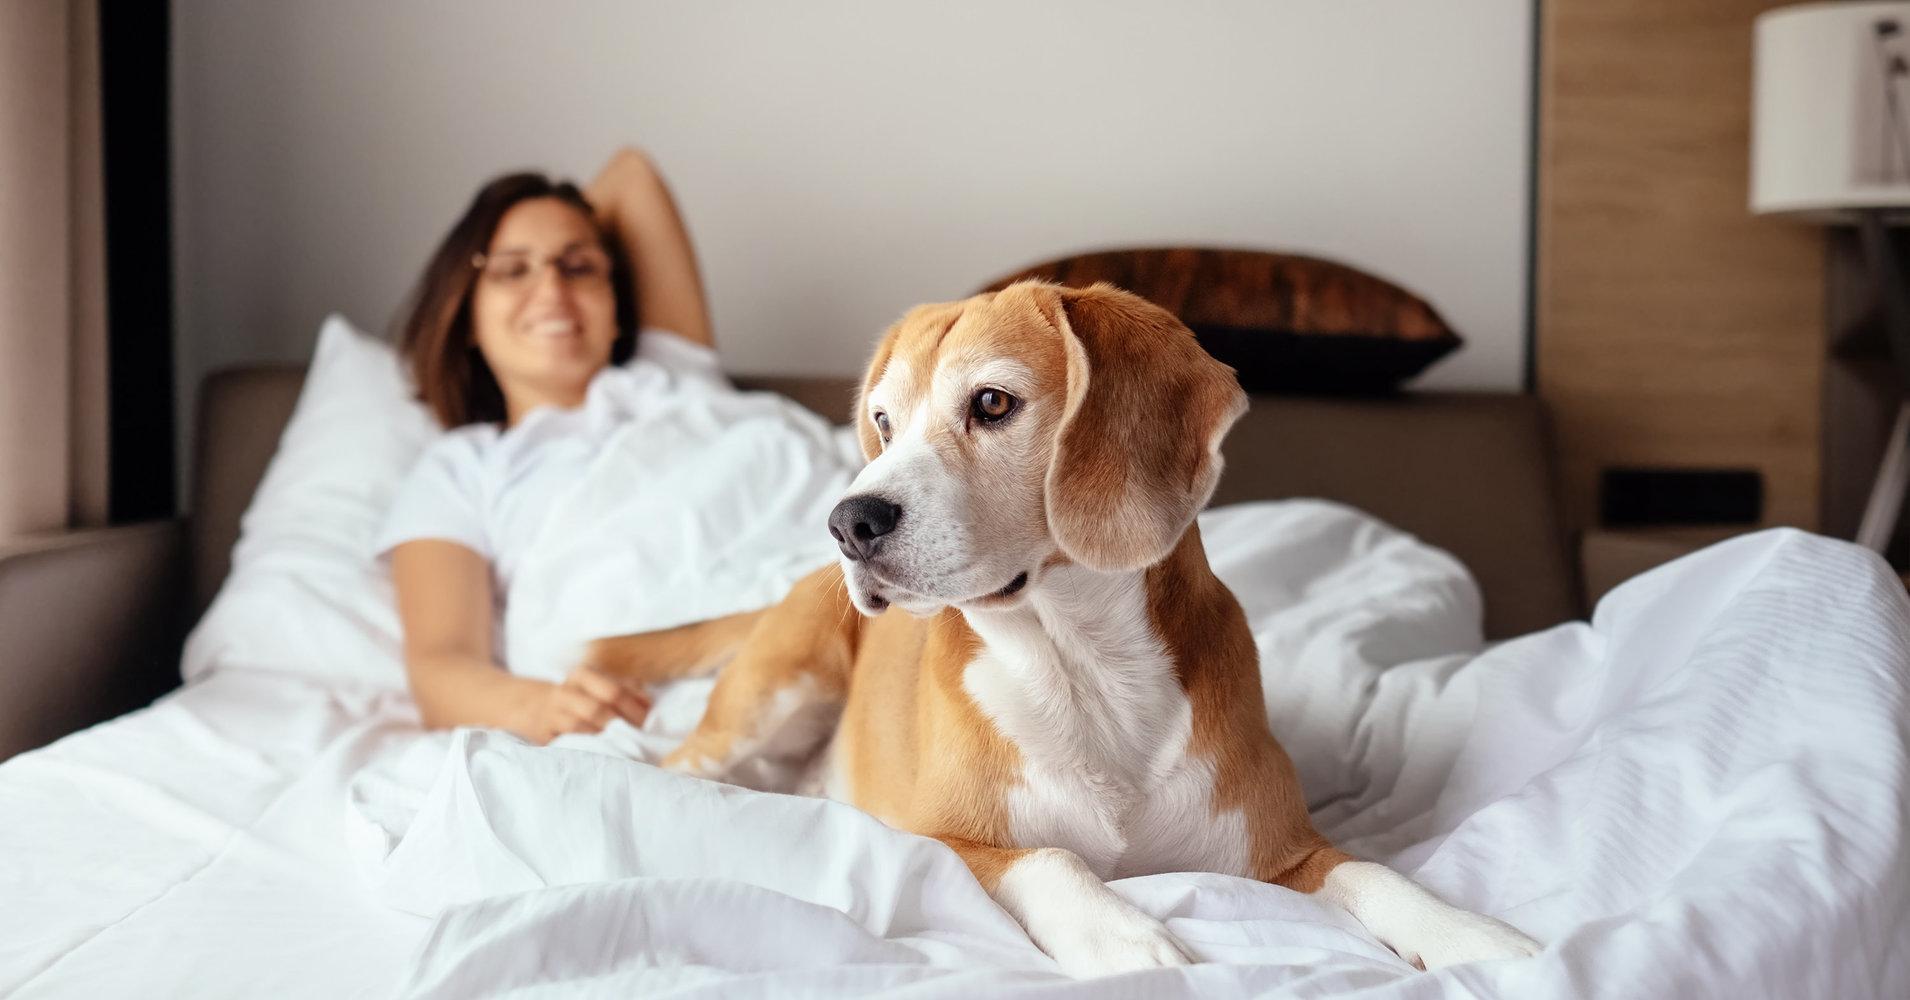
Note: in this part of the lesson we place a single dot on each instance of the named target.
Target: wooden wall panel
(1674, 328)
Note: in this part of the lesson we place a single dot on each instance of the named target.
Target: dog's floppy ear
(1137, 454)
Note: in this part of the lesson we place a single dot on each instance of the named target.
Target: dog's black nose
(858, 521)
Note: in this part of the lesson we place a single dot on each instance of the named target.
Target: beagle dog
(1071, 695)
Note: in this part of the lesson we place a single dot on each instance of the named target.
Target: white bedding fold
(702, 502)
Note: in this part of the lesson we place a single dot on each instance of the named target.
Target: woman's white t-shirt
(490, 489)
(667, 497)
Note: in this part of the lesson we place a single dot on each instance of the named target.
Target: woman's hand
(585, 702)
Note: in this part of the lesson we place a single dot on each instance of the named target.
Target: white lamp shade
(1830, 121)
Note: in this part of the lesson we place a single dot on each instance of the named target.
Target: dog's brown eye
(990, 405)
(882, 425)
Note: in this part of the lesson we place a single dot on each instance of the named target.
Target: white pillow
(306, 593)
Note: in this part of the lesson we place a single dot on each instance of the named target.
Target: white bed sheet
(1700, 793)
(196, 848)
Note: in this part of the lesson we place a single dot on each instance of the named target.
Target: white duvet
(1700, 793)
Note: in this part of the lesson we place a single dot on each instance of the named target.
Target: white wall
(839, 161)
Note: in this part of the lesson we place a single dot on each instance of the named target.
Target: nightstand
(1608, 557)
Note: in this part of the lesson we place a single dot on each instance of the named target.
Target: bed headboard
(1470, 473)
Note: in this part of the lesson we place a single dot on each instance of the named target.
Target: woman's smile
(554, 328)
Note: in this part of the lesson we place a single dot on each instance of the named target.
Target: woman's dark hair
(436, 339)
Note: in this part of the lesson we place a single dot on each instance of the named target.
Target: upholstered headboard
(1467, 472)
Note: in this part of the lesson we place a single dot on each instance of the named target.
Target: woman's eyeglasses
(516, 269)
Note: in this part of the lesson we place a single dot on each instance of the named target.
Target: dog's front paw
(694, 761)
(1461, 937)
(1422, 928)
(1086, 927)
(1122, 943)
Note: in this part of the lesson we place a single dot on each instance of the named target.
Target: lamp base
(1886, 495)
(1885, 506)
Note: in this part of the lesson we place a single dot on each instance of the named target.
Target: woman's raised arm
(632, 198)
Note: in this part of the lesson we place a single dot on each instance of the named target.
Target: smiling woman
(531, 297)
(545, 339)
(469, 338)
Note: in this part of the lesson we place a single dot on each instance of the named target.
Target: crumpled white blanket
(701, 501)
(1701, 793)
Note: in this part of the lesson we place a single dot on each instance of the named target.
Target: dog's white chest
(1095, 709)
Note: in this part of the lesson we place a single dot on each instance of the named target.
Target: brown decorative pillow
(1284, 322)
